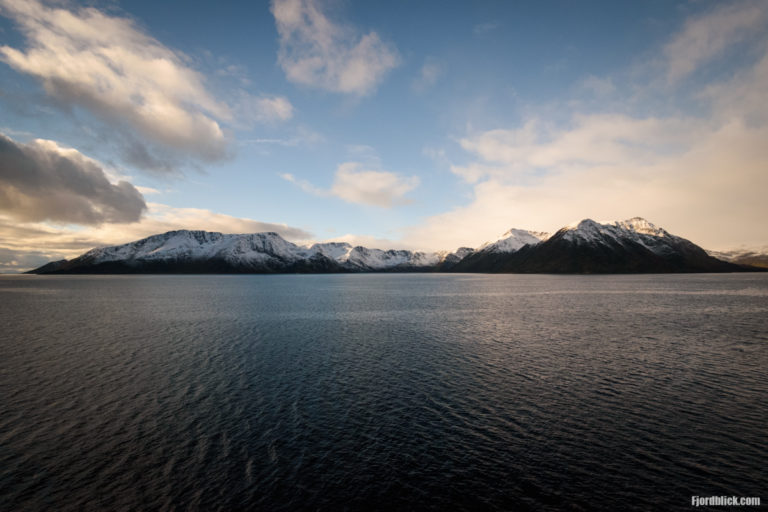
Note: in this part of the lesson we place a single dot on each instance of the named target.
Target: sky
(399, 124)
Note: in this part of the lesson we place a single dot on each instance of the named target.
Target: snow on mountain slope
(513, 240)
(365, 258)
(337, 251)
(633, 245)
(197, 245)
(636, 230)
(270, 249)
(455, 256)
(588, 247)
(257, 248)
(757, 256)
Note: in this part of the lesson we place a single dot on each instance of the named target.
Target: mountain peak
(640, 225)
(635, 224)
(513, 240)
(586, 247)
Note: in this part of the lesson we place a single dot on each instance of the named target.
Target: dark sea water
(378, 392)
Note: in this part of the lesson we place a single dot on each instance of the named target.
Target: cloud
(261, 109)
(741, 96)
(709, 192)
(110, 67)
(304, 185)
(12, 262)
(140, 155)
(273, 108)
(429, 73)
(355, 184)
(708, 36)
(302, 136)
(43, 181)
(703, 180)
(598, 87)
(145, 191)
(701, 175)
(161, 218)
(24, 246)
(591, 140)
(316, 52)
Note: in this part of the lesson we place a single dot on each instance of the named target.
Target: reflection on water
(418, 392)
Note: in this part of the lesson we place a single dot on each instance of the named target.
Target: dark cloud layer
(41, 181)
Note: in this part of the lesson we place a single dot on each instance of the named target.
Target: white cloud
(700, 176)
(701, 180)
(147, 190)
(711, 193)
(262, 109)
(304, 185)
(591, 140)
(708, 36)
(355, 184)
(428, 75)
(317, 52)
(108, 65)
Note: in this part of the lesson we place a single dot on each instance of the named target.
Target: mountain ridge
(631, 246)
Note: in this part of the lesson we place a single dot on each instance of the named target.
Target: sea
(382, 392)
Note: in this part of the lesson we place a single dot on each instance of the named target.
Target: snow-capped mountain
(513, 240)
(636, 229)
(449, 259)
(757, 257)
(202, 251)
(630, 246)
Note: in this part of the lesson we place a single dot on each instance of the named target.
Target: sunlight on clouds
(109, 66)
(592, 140)
(703, 178)
(317, 52)
(355, 184)
(161, 218)
(710, 193)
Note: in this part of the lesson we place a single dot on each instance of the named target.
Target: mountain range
(751, 257)
(588, 247)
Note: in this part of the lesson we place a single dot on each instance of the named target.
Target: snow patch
(513, 240)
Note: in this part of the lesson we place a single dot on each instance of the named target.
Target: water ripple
(374, 392)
